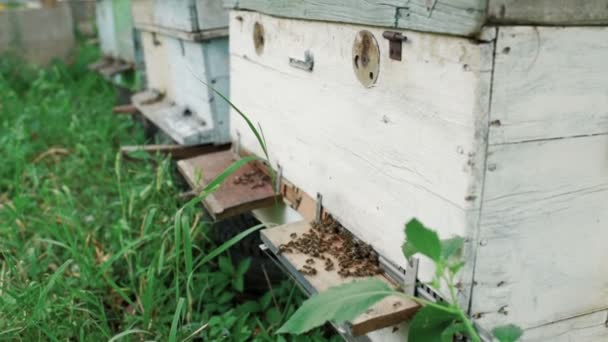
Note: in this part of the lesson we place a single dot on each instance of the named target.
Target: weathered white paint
(548, 12)
(543, 232)
(549, 82)
(586, 328)
(106, 28)
(156, 61)
(379, 156)
(178, 69)
(456, 17)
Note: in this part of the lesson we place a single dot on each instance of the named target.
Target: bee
(293, 235)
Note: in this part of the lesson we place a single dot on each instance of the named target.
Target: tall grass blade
(174, 323)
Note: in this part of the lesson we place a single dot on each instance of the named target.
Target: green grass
(89, 248)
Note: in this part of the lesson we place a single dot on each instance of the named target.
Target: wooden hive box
(115, 29)
(491, 124)
(181, 53)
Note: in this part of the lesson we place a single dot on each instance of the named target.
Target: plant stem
(463, 317)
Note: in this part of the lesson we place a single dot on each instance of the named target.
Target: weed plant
(89, 248)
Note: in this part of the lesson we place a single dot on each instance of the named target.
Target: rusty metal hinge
(395, 41)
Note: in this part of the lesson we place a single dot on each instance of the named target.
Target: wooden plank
(545, 88)
(190, 15)
(455, 17)
(177, 152)
(548, 12)
(388, 312)
(197, 36)
(116, 67)
(405, 147)
(234, 196)
(124, 109)
(543, 231)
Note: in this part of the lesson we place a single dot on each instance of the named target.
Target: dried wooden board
(116, 67)
(229, 199)
(542, 255)
(549, 82)
(455, 17)
(548, 12)
(176, 152)
(388, 312)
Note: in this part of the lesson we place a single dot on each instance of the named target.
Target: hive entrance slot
(293, 246)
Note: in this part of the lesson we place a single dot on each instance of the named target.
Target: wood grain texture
(455, 17)
(543, 232)
(390, 311)
(549, 82)
(379, 156)
(190, 15)
(177, 152)
(229, 199)
(548, 12)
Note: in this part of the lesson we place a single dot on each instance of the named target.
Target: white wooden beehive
(492, 126)
(185, 45)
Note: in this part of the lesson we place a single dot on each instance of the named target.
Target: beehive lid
(193, 20)
(452, 17)
(388, 312)
(246, 189)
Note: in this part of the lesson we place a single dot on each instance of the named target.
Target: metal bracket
(277, 181)
(237, 144)
(307, 64)
(319, 208)
(404, 278)
(394, 46)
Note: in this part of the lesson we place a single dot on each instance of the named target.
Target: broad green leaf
(273, 316)
(456, 328)
(429, 323)
(238, 283)
(243, 266)
(454, 268)
(341, 303)
(226, 265)
(423, 240)
(450, 247)
(507, 333)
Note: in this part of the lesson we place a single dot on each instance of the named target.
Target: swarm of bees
(328, 238)
(254, 179)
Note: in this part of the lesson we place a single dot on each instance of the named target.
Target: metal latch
(307, 64)
(394, 46)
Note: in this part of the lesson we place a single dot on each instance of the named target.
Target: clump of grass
(89, 247)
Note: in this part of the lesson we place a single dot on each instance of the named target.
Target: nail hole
(371, 75)
(357, 61)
